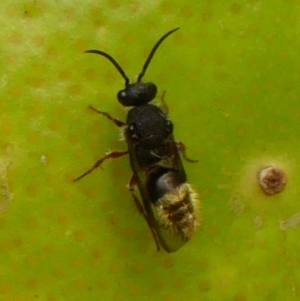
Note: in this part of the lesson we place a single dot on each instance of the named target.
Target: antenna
(150, 56)
(113, 61)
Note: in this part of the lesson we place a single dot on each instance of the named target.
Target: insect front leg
(110, 155)
(141, 209)
(182, 149)
(117, 122)
(164, 107)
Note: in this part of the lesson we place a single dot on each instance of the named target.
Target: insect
(169, 204)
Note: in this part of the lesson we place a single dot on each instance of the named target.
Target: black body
(154, 158)
(148, 130)
(156, 164)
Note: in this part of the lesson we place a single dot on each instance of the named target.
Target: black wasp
(169, 204)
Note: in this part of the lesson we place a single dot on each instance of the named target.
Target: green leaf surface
(231, 76)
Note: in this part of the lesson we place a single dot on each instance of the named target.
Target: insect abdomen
(174, 203)
(177, 211)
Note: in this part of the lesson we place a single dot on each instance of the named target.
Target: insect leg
(182, 149)
(141, 209)
(117, 122)
(110, 155)
(163, 105)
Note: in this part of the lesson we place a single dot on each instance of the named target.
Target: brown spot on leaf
(272, 180)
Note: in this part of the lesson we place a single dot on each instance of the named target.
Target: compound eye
(150, 92)
(129, 96)
(122, 97)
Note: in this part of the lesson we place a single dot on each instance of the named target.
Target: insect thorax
(147, 133)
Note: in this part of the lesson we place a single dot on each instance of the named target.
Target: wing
(170, 202)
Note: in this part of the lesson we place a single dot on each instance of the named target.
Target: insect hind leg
(110, 155)
(141, 209)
